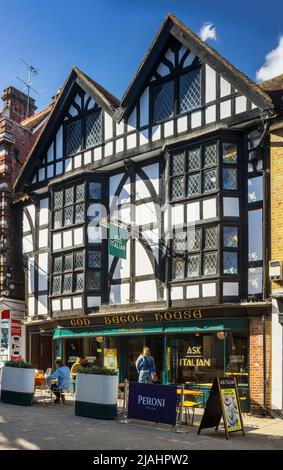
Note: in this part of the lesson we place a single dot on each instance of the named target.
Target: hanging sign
(223, 401)
(118, 238)
(152, 402)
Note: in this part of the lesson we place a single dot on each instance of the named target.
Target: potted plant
(97, 393)
(17, 385)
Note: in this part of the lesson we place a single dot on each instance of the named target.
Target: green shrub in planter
(97, 393)
(19, 364)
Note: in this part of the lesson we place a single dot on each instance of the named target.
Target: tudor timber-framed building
(189, 135)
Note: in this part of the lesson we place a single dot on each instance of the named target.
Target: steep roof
(206, 53)
(33, 121)
(274, 84)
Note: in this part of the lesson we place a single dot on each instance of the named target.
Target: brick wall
(276, 189)
(257, 364)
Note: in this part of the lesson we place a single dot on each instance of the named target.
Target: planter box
(17, 385)
(96, 396)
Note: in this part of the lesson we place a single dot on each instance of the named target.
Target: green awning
(201, 326)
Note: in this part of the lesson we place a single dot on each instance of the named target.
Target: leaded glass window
(210, 155)
(93, 129)
(229, 152)
(178, 189)
(230, 178)
(193, 184)
(67, 283)
(209, 181)
(210, 238)
(94, 280)
(194, 252)
(178, 269)
(209, 264)
(71, 204)
(194, 159)
(194, 171)
(230, 237)
(68, 273)
(179, 163)
(230, 262)
(95, 190)
(193, 266)
(94, 259)
(73, 137)
(190, 91)
(163, 101)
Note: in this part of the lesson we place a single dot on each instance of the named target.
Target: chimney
(15, 104)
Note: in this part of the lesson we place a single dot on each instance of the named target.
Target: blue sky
(108, 38)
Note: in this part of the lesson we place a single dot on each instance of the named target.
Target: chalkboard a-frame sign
(223, 401)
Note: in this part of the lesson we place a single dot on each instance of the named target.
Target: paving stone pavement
(50, 426)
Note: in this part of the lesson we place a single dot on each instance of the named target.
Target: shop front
(188, 347)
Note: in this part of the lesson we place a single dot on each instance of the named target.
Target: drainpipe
(264, 364)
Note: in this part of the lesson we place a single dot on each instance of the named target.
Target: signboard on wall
(11, 336)
(110, 358)
(152, 402)
(223, 401)
(118, 238)
(16, 339)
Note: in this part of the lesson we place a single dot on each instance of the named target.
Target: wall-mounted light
(221, 335)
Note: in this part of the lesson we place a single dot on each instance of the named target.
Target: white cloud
(273, 64)
(208, 31)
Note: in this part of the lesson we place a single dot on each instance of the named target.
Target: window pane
(80, 192)
(95, 190)
(193, 266)
(194, 159)
(193, 184)
(67, 283)
(255, 189)
(56, 285)
(178, 269)
(178, 187)
(179, 242)
(94, 259)
(230, 237)
(210, 155)
(78, 260)
(73, 137)
(94, 279)
(163, 98)
(190, 91)
(230, 262)
(68, 215)
(57, 264)
(178, 163)
(58, 199)
(58, 219)
(209, 183)
(79, 281)
(93, 127)
(68, 262)
(209, 264)
(79, 213)
(193, 243)
(229, 178)
(229, 153)
(69, 196)
(210, 238)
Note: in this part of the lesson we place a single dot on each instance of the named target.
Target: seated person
(80, 363)
(62, 374)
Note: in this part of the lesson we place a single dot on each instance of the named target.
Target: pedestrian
(81, 363)
(62, 374)
(145, 366)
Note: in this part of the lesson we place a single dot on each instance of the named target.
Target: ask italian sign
(118, 238)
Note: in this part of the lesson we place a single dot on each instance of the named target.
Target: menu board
(223, 401)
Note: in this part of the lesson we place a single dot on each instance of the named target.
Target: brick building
(19, 127)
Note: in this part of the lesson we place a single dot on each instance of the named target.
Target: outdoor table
(195, 393)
